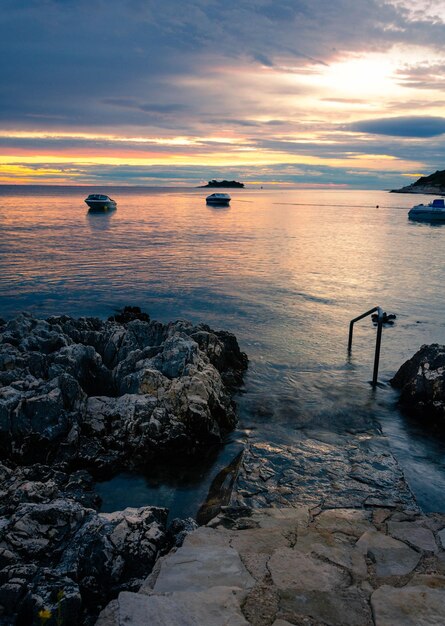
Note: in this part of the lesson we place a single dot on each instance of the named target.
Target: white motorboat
(221, 199)
(432, 212)
(100, 202)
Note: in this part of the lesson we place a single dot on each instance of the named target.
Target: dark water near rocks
(285, 270)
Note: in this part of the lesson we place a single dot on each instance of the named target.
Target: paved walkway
(297, 566)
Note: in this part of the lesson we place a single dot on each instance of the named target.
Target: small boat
(221, 199)
(100, 202)
(432, 212)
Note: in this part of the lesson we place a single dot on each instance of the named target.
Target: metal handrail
(378, 341)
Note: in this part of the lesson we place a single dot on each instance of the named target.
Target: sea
(285, 269)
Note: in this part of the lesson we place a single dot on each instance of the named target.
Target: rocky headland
(433, 184)
(83, 398)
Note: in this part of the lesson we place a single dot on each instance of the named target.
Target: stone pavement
(297, 566)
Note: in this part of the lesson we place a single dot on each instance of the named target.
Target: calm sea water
(285, 270)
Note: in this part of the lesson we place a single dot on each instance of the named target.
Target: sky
(316, 93)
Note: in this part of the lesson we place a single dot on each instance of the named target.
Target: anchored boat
(432, 212)
(100, 202)
(218, 199)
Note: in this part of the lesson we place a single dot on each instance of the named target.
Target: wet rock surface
(83, 398)
(421, 381)
(336, 470)
(295, 565)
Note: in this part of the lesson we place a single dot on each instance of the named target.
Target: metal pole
(378, 342)
(356, 319)
(351, 328)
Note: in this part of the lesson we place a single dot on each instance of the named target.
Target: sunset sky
(142, 92)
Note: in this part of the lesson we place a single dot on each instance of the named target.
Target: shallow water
(285, 270)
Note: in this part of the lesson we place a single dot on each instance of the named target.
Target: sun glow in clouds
(173, 141)
(318, 96)
(361, 77)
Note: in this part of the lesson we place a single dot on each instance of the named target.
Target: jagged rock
(224, 353)
(42, 484)
(35, 416)
(421, 380)
(61, 547)
(85, 394)
(179, 529)
(153, 388)
(128, 314)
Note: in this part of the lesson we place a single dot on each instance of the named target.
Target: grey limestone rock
(81, 395)
(107, 393)
(63, 557)
(421, 381)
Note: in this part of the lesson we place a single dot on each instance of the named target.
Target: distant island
(432, 184)
(223, 183)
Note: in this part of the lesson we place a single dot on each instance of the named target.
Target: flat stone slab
(260, 540)
(344, 555)
(291, 569)
(416, 536)
(203, 536)
(337, 608)
(217, 606)
(281, 567)
(199, 568)
(391, 557)
(352, 522)
(408, 606)
(294, 518)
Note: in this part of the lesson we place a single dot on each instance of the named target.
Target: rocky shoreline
(362, 554)
(85, 398)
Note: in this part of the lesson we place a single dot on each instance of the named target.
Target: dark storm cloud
(414, 126)
(69, 61)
